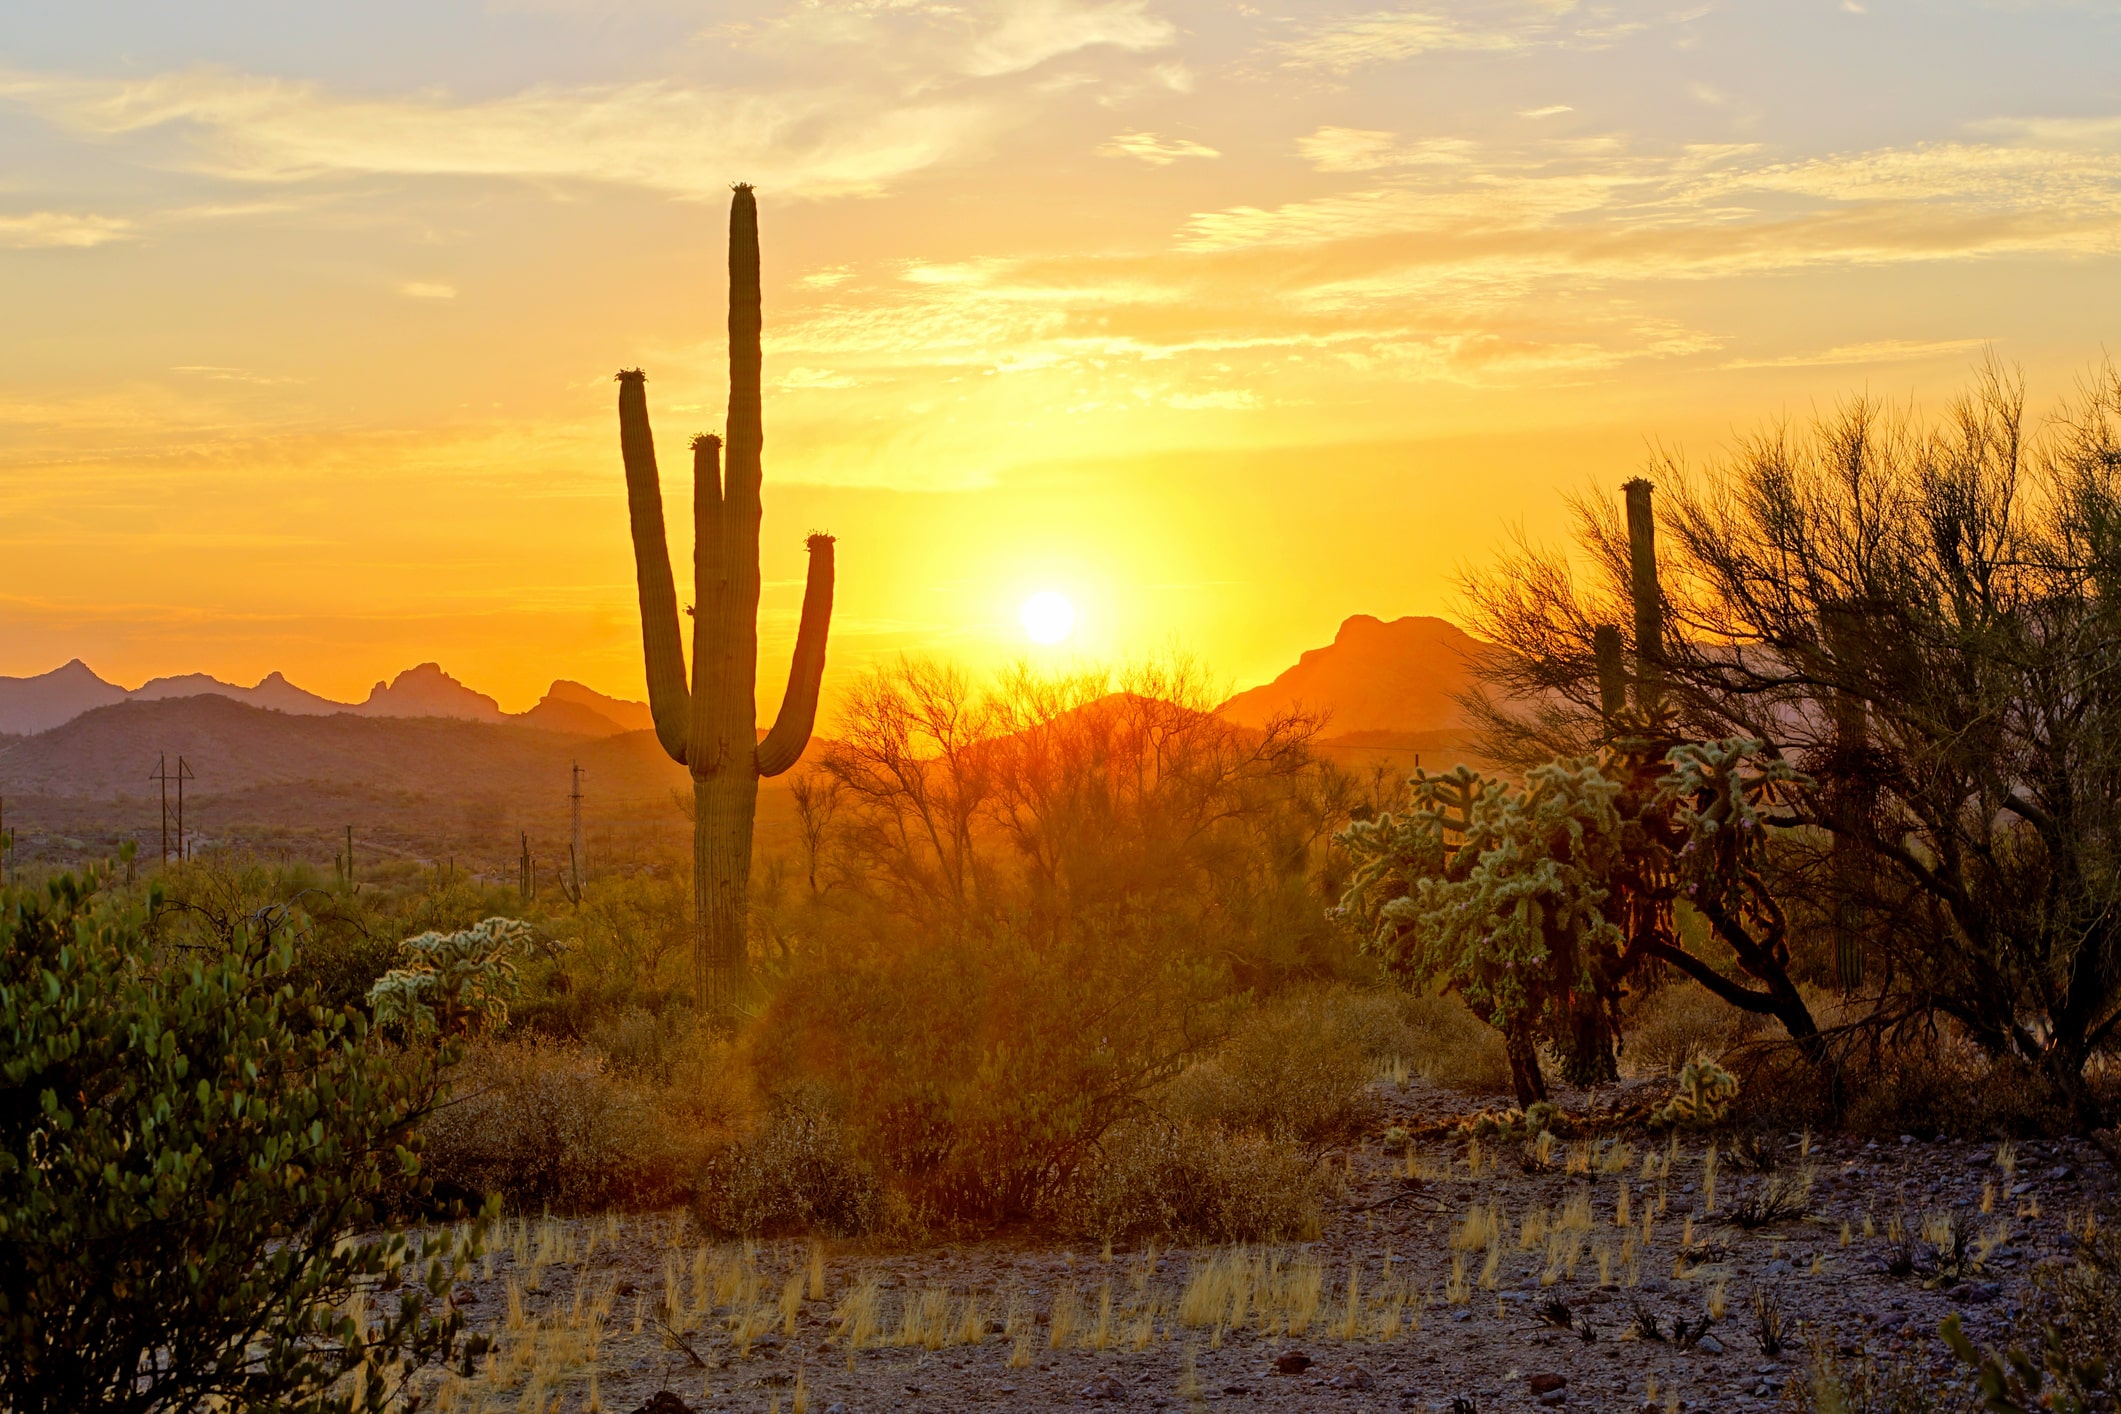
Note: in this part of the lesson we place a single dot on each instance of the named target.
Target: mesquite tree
(1924, 618)
(712, 728)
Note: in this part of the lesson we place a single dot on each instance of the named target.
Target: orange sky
(1227, 320)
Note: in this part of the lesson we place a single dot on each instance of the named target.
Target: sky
(1224, 320)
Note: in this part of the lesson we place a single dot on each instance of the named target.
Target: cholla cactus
(1502, 896)
(1706, 1091)
(452, 982)
(1541, 1117)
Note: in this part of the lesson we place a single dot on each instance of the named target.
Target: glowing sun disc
(1048, 616)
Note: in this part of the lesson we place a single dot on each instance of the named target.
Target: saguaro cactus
(1649, 603)
(713, 727)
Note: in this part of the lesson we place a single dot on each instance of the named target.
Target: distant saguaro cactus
(1649, 602)
(712, 727)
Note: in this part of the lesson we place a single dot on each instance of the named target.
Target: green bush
(186, 1146)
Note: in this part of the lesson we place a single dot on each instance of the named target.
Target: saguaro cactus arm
(783, 746)
(662, 648)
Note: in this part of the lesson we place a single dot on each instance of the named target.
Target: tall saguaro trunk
(1649, 604)
(712, 727)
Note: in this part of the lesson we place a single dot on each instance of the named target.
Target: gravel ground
(589, 1292)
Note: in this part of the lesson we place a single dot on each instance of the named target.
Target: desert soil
(580, 1314)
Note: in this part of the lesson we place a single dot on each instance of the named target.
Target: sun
(1048, 616)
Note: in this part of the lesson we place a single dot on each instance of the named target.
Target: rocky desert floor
(1602, 1273)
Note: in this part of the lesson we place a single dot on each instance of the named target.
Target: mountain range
(37, 704)
(1377, 679)
(425, 767)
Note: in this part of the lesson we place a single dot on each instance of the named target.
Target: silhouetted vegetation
(193, 1146)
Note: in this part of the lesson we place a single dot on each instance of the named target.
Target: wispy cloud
(218, 373)
(1876, 351)
(427, 289)
(1034, 31)
(1384, 36)
(1333, 149)
(662, 136)
(63, 229)
(1554, 209)
(1157, 151)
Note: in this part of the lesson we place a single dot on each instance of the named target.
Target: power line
(163, 775)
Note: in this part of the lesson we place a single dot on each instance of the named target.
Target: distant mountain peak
(424, 690)
(1398, 675)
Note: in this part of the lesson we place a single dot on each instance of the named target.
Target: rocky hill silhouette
(1377, 681)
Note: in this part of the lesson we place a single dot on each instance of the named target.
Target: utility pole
(574, 846)
(349, 859)
(523, 870)
(183, 774)
(164, 776)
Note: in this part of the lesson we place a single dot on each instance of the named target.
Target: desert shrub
(2070, 1326)
(1450, 1046)
(2062, 1351)
(544, 1126)
(795, 1176)
(1296, 1069)
(1683, 1021)
(187, 1149)
(1929, 1080)
(1189, 1183)
(978, 1074)
(1865, 1382)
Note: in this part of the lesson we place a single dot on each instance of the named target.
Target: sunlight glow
(1048, 616)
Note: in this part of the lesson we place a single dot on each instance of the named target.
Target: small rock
(1352, 1377)
(1779, 1268)
(1554, 1396)
(1237, 1389)
(1543, 1384)
(1005, 1389)
(1291, 1362)
(1103, 1387)
(1709, 1345)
